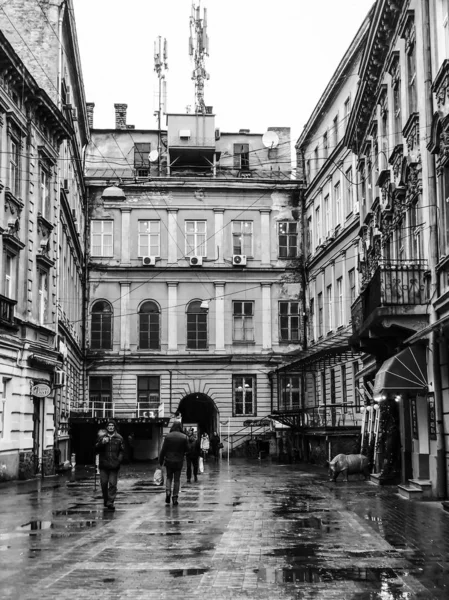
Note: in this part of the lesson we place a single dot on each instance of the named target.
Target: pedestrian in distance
(111, 449)
(192, 456)
(174, 447)
(205, 446)
(215, 445)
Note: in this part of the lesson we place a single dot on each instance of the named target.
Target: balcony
(97, 411)
(7, 311)
(332, 418)
(392, 305)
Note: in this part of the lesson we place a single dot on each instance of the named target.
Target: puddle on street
(35, 526)
(303, 550)
(187, 572)
(316, 574)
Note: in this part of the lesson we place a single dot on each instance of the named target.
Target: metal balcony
(123, 410)
(7, 311)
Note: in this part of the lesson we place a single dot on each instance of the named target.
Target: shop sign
(41, 390)
(432, 419)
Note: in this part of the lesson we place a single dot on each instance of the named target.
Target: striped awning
(405, 372)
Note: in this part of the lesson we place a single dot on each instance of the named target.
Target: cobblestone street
(256, 530)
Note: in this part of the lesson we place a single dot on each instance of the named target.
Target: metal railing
(329, 415)
(7, 310)
(105, 410)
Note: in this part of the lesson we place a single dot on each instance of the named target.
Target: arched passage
(200, 409)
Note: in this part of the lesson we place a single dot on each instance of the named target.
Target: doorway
(201, 410)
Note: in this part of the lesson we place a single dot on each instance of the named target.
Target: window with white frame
(243, 321)
(42, 296)
(351, 278)
(340, 299)
(347, 111)
(311, 319)
(149, 238)
(320, 315)
(337, 202)
(327, 215)
(411, 73)
(288, 239)
(195, 232)
(309, 235)
(244, 395)
(242, 237)
(45, 192)
(149, 326)
(289, 321)
(9, 276)
(290, 393)
(102, 238)
(318, 232)
(197, 336)
(335, 130)
(349, 193)
(330, 307)
(101, 326)
(14, 167)
(325, 145)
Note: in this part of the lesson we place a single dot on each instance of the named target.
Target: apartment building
(193, 289)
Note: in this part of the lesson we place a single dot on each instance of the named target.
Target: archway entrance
(201, 410)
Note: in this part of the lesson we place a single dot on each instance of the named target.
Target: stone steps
(416, 489)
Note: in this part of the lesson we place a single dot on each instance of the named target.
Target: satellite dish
(270, 139)
(153, 156)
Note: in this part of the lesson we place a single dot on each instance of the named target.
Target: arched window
(196, 326)
(101, 326)
(149, 326)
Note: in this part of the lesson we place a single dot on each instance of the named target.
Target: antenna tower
(199, 49)
(160, 66)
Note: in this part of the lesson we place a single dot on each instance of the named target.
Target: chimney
(120, 116)
(90, 114)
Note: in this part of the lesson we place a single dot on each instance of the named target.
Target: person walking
(111, 449)
(192, 456)
(174, 447)
(205, 445)
(215, 445)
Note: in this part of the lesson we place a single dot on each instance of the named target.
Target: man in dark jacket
(193, 455)
(172, 454)
(111, 449)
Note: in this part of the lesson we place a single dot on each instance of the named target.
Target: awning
(407, 371)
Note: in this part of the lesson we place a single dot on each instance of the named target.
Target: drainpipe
(434, 255)
(171, 382)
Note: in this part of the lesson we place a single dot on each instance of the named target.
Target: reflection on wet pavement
(248, 530)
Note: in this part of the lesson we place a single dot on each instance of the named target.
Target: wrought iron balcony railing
(122, 410)
(7, 310)
(324, 415)
(394, 283)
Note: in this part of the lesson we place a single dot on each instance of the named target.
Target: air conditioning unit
(59, 378)
(196, 261)
(149, 261)
(184, 134)
(239, 260)
(217, 134)
(68, 97)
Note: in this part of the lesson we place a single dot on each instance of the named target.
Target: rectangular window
(333, 388)
(309, 235)
(290, 393)
(43, 296)
(241, 157)
(149, 238)
(349, 192)
(312, 320)
(351, 275)
(242, 237)
(102, 238)
(320, 315)
(100, 393)
(323, 387)
(411, 73)
(243, 321)
(337, 202)
(141, 156)
(244, 395)
(289, 321)
(316, 164)
(318, 232)
(397, 119)
(335, 130)
(340, 302)
(288, 239)
(325, 145)
(148, 394)
(195, 238)
(330, 305)
(45, 193)
(327, 215)
(9, 288)
(347, 111)
(14, 168)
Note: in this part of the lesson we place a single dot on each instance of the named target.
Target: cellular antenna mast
(160, 66)
(199, 49)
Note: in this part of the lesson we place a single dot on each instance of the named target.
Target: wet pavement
(251, 529)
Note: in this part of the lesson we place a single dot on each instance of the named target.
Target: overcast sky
(269, 61)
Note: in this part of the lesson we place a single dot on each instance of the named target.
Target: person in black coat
(192, 456)
(111, 449)
(172, 453)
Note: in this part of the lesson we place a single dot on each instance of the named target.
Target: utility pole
(199, 49)
(160, 66)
